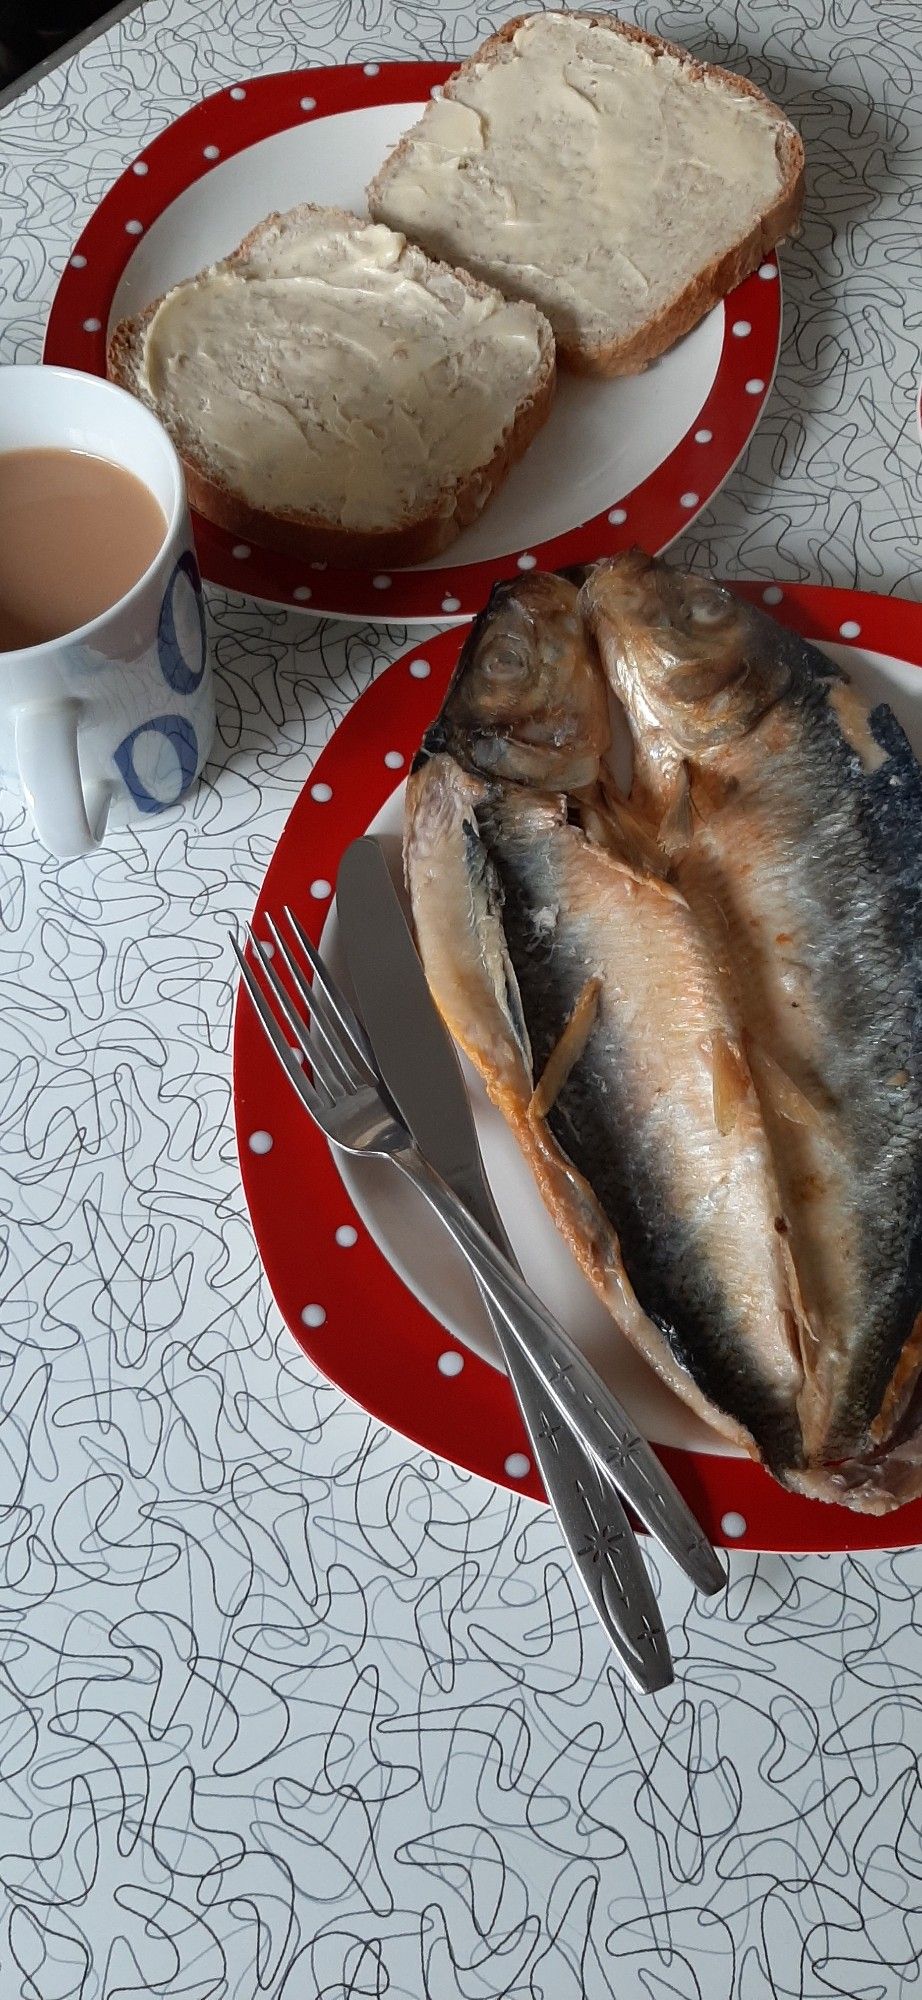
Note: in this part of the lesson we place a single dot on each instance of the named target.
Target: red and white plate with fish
(619, 464)
(357, 1265)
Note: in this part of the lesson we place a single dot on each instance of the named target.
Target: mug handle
(49, 772)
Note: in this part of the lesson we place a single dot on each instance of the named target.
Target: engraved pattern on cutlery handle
(626, 1457)
(575, 1388)
(595, 1528)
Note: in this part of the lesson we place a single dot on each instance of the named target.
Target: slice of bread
(609, 177)
(335, 394)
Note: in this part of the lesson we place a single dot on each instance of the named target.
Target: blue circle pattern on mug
(176, 769)
(179, 734)
(174, 666)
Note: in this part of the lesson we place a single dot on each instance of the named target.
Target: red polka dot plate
(618, 463)
(360, 1272)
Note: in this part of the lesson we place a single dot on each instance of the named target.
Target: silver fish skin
(586, 993)
(789, 813)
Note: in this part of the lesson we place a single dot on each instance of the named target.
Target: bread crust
(310, 537)
(696, 299)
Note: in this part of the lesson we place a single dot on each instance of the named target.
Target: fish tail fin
(876, 1483)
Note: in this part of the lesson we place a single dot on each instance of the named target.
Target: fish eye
(506, 661)
(706, 610)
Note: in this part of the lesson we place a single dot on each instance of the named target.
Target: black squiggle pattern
(286, 1708)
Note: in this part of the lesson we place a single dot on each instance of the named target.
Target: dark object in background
(30, 30)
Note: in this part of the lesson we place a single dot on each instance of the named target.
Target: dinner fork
(590, 1515)
(348, 1101)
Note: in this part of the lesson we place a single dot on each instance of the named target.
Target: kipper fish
(582, 986)
(789, 814)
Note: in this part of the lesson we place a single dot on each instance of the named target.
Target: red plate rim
(349, 1310)
(229, 121)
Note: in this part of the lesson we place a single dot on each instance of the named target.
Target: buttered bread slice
(609, 177)
(335, 394)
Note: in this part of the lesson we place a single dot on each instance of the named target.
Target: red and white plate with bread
(369, 426)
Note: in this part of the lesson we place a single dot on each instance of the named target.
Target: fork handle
(587, 1406)
(601, 1541)
(594, 1525)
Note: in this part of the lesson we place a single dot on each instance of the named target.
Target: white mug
(115, 720)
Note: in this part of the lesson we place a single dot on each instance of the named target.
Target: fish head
(685, 655)
(528, 702)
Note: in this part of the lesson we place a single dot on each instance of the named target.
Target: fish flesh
(700, 1004)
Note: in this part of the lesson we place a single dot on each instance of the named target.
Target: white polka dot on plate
(733, 1525)
(517, 1466)
(773, 594)
(238, 93)
(322, 794)
(617, 515)
(420, 669)
(527, 561)
(302, 593)
(260, 1142)
(92, 325)
(850, 629)
(690, 499)
(437, 91)
(140, 167)
(451, 604)
(768, 270)
(211, 152)
(134, 227)
(267, 947)
(755, 386)
(346, 1236)
(451, 1363)
(703, 437)
(380, 582)
(241, 550)
(741, 327)
(312, 1315)
(394, 759)
(371, 69)
(78, 261)
(321, 888)
(308, 103)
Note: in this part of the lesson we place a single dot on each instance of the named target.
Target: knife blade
(429, 1094)
(423, 1076)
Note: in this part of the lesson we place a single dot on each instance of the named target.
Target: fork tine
(349, 1075)
(350, 1028)
(325, 1077)
(279, 1041)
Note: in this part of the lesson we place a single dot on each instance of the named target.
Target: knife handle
(594, 1526)
(623, 1457)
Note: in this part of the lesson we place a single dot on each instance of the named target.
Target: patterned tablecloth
(287, 1707)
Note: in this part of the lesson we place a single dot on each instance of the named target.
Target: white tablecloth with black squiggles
(287, 1707)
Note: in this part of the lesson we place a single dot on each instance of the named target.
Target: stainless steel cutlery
(390, 1085)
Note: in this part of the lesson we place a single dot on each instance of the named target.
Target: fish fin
(866, 1485)
(789, 1099)
(731, 1082)
(626, 831)
(567, 1050)
(675, 827)
(613, 827)
(900, 1388)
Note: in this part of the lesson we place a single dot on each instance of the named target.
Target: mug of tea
(106, 697)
